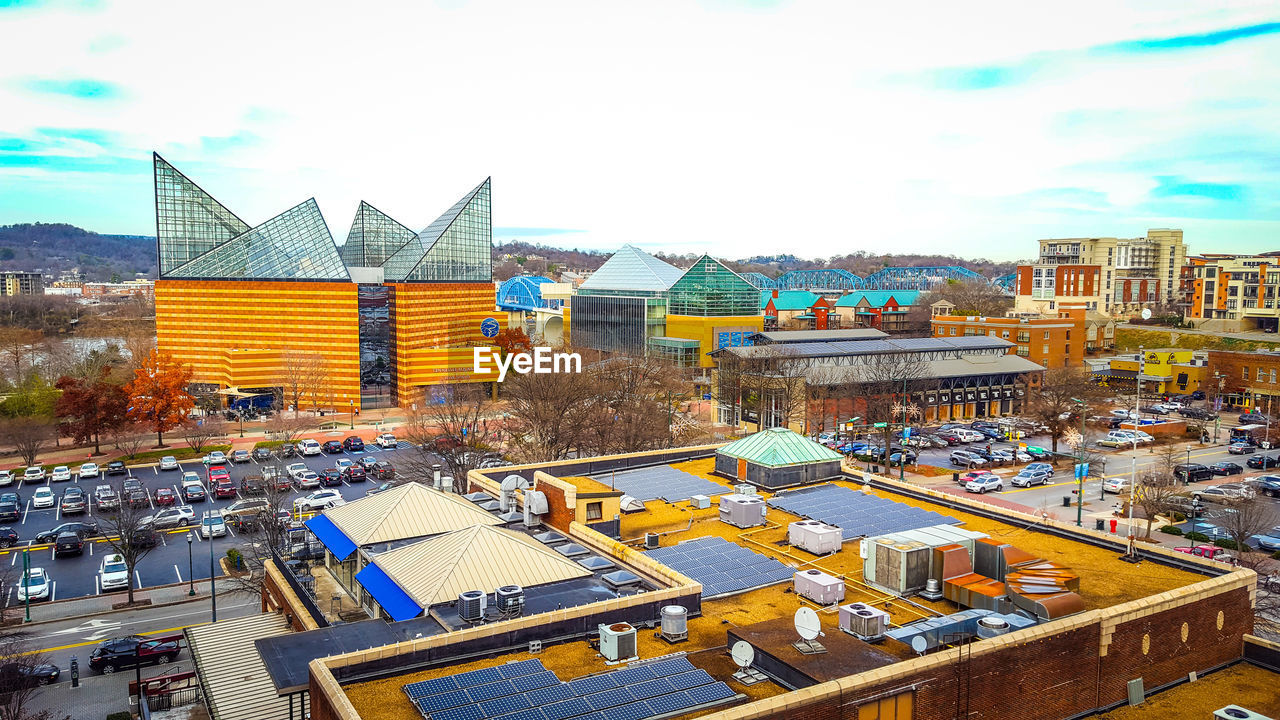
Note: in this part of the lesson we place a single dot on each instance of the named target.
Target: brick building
(1244, 380)
(1042, 288)
(1055, 340)
(1242, 292)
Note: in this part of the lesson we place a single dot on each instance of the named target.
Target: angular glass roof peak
(711, 289)
(189, 222)
(457, 247)
(633, 269)
(374, 237)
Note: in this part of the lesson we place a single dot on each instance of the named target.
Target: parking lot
(77, 576)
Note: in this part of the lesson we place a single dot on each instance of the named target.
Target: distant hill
(53, 248)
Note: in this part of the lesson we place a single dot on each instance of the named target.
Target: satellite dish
(743, 654)
(919, 644)
(1146, 313)
(807, 623)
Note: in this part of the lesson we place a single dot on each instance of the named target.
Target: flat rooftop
(1244, 684)
(1104, 581)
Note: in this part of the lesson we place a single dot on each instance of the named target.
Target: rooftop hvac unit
(863, 621)
(742, 511)
(675, 622)
(471, 605)
(815, 537)
(991, 626)
(1235, 712)
(509, 599)
(617, 642)
(744, 489)
(701, 502)
(897, 565)
(652, 541)
(819, 587)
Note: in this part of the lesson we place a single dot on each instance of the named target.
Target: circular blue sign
(489, 327)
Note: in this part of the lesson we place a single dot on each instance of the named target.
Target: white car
(33, 474)
(6, 477)
(42, 498)
(61, 473)
(307, 479)
(217, 457)
(212, 525)
(983, 483)
(1115, 485)
(114, 573)
(294, 470)
(87, 471)
(387, 440)
(168, 462)
(343, 463)
(319, 500)
(190, 478)
(35, 585)
(309, 447)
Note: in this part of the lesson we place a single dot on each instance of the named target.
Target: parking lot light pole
(213, 595)
(191, 575)
(26, 580)
(351, 413)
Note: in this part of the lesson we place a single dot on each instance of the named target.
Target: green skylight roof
(778, 447)
(454, 248)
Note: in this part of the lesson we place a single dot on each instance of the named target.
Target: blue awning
(387, 593)
(334, 539)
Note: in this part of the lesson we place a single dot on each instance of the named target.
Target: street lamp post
(26, 580)
(191, 579)
(213, 595)
(351, 412)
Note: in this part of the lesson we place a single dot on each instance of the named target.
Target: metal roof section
(294, 245)
(964, 366)
(408, 511)
(633, 269)
(374, 236)
(454, 248)
(523, 292)
(808, 336)
(789, 299)
(778, 447)
(480, 557)
(878, 298)
(189, 222)
(233, 676)
(849, 348)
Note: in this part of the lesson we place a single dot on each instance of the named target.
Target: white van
(967, 435)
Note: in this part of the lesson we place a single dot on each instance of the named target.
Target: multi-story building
(278, 307)
(881, 309)
(1054, 340)
(1244, 380)
(128, 288)
(1042, 288)
(21, 283)
(1136, 273)
(1233, 292)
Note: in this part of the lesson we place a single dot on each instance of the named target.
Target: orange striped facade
(435, 327)
(236, 333)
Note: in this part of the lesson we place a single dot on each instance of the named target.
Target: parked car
(368, 462)
(966, 458)
(295, 469)
(353, 443)
(1262, 462)
(193, 492)
(218, 473)
(212, 525)
(135, 496)
(1269, 541)
(1213, 552)
(113, 573)
(224, 489)
(8, 536)
(331, 477)
(1268, 485)
(1254, 419)
(1226, 468)
(61, 473)
(33, 475)
(379, 488)
(286, 450)
(343, 463)
(1197, 395)
(1028, 478)
(10, 508)
(243, 511)
(355, 473)
(1240, 448)
(319, 500)
(6, 478)
(1156, 410)
(388, 441)
(1115, 485)
(116, 467)
(106, 498)
(309, 447)
(26, 675)
(1192, 473)
(178, 516)
(217, 457)
(33, 584)
(165, 497)
(87, 471)
(253, 485)
(1227, 493)
(42, 498)
(82, 529)
(240, 456)
(169, 462)
(130, 651)
(383, 470)
(332, 447)
(68, 543)
(983, 483)
(307, 479)
(73, 501)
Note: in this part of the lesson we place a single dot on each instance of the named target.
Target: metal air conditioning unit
(1235, 712)
(675, 623)
(863, 621)
(509, 599)
(652, 541)
(819, 587)
(617, 642)
(742, 511)
(744, 489)
(701, 502)
(471, 605)
(815, 537)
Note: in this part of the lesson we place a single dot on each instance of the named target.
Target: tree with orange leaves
(158, 394)
(513, 340)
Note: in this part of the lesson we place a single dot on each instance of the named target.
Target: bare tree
(547, 414)
(128, 529)
(263, 534)
(886, 384)
(201, 432)
(17, 347)
(303, 376)
(20, 680)
(286, 429)
(1065, 394)
(633, 406)
(455, 429)
(28, 435)
(128, 438)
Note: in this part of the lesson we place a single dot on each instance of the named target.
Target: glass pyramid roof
(710, 289)
(374, 237)
(189, 222)
(632, 269)
(294, 245)
(457, 247)
(778, 447)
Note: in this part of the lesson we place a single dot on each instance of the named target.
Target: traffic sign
(906, 433)
(880, 425)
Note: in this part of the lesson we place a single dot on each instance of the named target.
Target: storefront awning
(327, 533)
(395, 601)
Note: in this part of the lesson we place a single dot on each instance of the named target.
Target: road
(77, 576)
(100, 694)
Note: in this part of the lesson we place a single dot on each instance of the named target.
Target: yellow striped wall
(436, 327)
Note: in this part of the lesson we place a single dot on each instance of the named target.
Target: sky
(733, 127)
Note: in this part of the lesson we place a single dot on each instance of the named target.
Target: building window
(1046, 349)
(1004, 334)
(953, 331)
(1046, 334)
(1262, 375)
(1023, 350)
(1244, 372)
(1273, 376)
(1024, 336)
(595, 511)
(942, 331)
(991, 333)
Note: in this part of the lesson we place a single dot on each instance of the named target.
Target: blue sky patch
(1199, 40)
(1174, 187)
(82, 88)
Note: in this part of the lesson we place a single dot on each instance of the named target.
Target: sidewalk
(44, 612)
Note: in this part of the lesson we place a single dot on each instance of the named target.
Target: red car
(218, 473)
(224, 489)
(166, 496)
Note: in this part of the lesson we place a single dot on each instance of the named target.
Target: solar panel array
(526, 690)
(663, 481)
(721, 566)
(858, 515)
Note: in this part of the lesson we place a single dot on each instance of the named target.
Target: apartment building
(1136, 273)
(1240, 291)
(21, 283)
(1041, 288)
(1055, 340)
